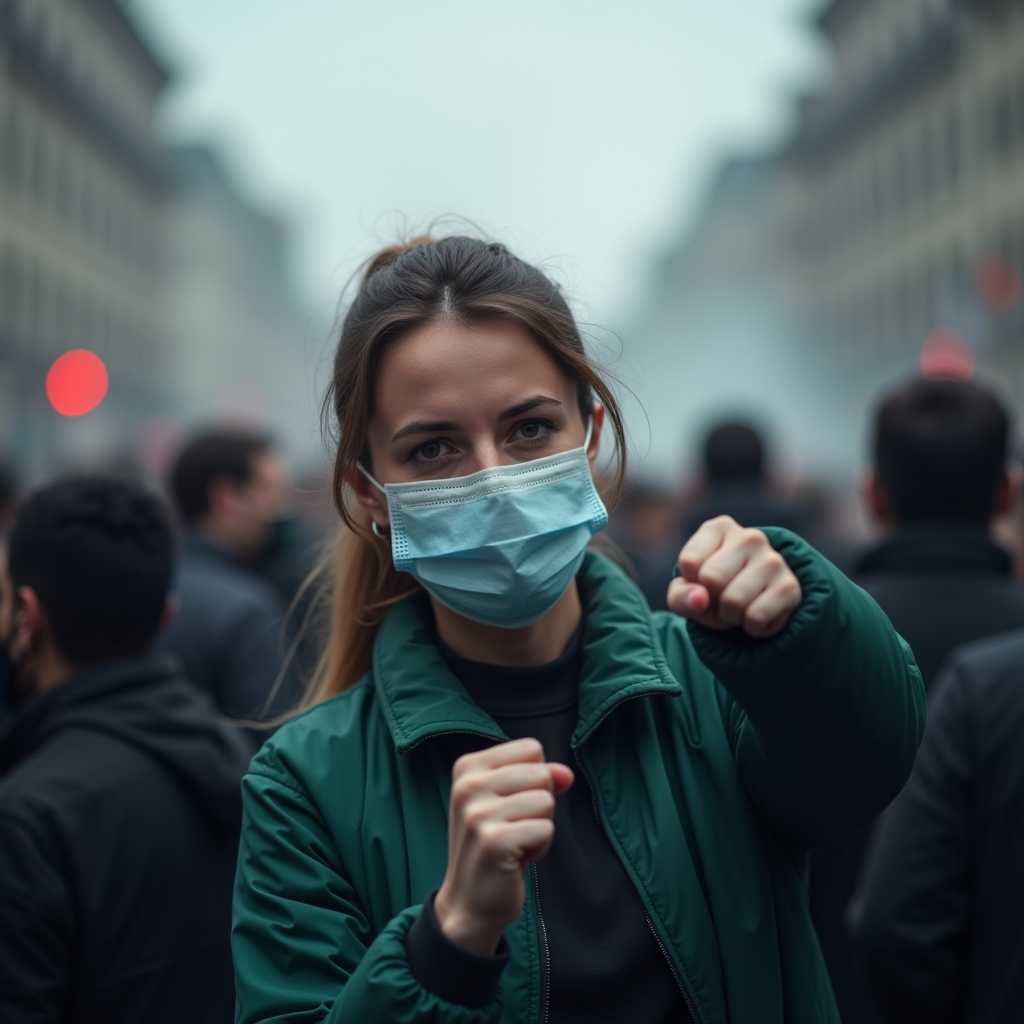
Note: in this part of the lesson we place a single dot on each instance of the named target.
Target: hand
(499, 821)
(730, 576)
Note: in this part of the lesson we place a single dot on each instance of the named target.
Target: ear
(370, 497)
(876, 500)
(222, 496)
(1009, 489)
(171, 606)
(595, 436)
(31, 624)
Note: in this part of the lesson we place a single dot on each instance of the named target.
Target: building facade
(907, 170)
(81, 194)
(813, 275)
(239, 339)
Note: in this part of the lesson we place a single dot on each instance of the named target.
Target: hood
(146, 703)
(935, 548)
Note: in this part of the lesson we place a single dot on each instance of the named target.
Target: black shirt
(603, 961)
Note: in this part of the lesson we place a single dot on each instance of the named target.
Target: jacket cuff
(449, 971)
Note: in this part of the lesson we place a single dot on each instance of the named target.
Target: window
(10, 297)
(12, 154)
(1002, 123)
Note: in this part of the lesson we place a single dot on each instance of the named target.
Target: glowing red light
(997, 282)
(76, 383)
(947, 354)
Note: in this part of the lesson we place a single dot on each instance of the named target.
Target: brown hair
(405, 287)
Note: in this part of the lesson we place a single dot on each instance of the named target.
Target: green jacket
(715, 760)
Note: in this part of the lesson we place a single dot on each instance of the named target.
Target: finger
(704, 543)
(747, 585)
(510, 778)
(562, 777)
(768, 614)
(533, 803)
(513, 752)
(687, 599)
(736, 552)
(512, 844)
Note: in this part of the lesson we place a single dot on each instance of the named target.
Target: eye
(532, 430)
(431, 451)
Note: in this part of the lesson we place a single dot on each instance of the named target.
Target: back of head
(99, 553)
(734, 453)
(940, 451)
(208, 457)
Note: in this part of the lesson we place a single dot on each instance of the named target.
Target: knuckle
(464, 789)
(491, 840)
(476, 820)
(774, 561)
(547, 803)
(752, 538)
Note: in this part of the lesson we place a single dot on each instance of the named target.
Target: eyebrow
(433, 426)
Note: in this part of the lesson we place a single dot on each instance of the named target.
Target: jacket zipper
(650, 923)
(545, 977)
(672, 968)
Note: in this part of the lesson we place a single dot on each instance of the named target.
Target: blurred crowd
(150, 641)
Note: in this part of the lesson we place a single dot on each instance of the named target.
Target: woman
(415, 846)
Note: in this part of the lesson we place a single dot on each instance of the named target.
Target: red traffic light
(76, 383)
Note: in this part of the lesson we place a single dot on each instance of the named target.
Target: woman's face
(451, 400)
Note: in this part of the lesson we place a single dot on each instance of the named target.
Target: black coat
(941, 586)
(120, 810)
(940, 919)
(227, 634)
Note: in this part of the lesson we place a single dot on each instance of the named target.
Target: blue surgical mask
(500, 546)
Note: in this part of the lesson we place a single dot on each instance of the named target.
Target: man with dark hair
(941, 476)
(119, 781)
(230, 492)
(735, 482)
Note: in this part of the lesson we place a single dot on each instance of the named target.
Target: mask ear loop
(590, 431)
(373, 523)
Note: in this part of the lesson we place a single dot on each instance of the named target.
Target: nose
(488, 454)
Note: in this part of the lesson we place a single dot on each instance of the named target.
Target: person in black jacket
(120, 804)
(230, 492)
(941, 476)
(938, 921)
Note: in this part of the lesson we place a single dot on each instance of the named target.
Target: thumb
(562, 777)
(688, 599)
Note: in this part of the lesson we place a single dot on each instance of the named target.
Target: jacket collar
(938, 547)
(621, 659)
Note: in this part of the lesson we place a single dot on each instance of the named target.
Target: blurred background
(763, 210)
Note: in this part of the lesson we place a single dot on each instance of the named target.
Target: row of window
(66, 39)
(922, 165)
(908, 305)
(48, 314)
(67, 190)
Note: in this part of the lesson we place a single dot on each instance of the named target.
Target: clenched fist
(499, 821)
(730, 576)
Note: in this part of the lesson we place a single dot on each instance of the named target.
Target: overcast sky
(579, 131)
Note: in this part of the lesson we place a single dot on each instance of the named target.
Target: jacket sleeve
(36, 936)
(912, 916)
(303, 948)
(825, 718)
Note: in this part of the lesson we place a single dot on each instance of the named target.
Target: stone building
(81, 192)
(813, 275)
(906, 171)
(241, 345)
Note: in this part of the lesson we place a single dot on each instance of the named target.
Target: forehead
(479, 364)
